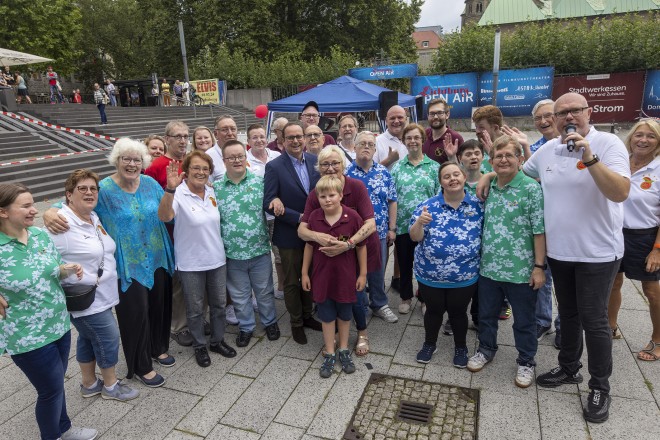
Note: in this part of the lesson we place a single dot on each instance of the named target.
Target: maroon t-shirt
(273, 146)
(436, 149)
(335, 277)
(357, 198)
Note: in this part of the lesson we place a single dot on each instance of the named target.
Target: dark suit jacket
(281, 181)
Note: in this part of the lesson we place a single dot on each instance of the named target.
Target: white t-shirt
(641, 210)
(383, 144)
(88, 245)
(259, 168)
(219, 168)
(198, 245)
(581, 224)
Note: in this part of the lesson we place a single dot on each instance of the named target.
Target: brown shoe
(313, 324)
(298, 334)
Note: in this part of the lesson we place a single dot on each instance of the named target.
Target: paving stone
(179, 435)
(384, 337)
(564, 410)
(632, 296)
(278, 431)
(13, 380)
(271, 390)
(500, 374)
(408, 372)
(447, 374)
(102, 414)
(22, 426)
(259, 355)
(222, 432)
(5, 360)
(207, 413)
(410, 344)
(497, 411)
(16, 402)
(308, 351)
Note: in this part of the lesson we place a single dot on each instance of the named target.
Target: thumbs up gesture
(425, 217)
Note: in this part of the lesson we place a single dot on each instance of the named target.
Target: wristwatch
(591, 162)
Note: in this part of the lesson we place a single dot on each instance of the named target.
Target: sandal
(616, 333)
(362, 346)
(649, 351)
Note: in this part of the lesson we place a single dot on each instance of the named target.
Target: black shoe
(542, 330)
(396, 284)
(202, 357)
(556, 377)
(223, 349)
(598, 407)
(243, 339)
(298, 334)
(273, 332)
(557, 342)
(183, 338)
(207, 328)
(313, 324)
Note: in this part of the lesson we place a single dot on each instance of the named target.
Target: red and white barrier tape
(53, 156)
(58, 127)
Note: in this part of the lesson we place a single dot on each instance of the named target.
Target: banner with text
(651, 105)
(614, 97)
(212, 91)
(384, 72)
(518, 90)
(459, 90)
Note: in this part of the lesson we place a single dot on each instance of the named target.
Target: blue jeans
(113, 99)
(197, 285)
(45, 368)
(247, 276)
(98, 339)
(376, 280)
(104, 118)
(544, 303)
(523, 303)
(360, 310)
(55, 94)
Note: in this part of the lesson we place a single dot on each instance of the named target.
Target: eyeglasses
(180, 137)
(313, 135)
(227, 130)
(298, 137)
(507, 156)
(412, 138)
(205, 170)
(235, 158)
(326, 165)
(437, 114)
(82, 189)
(367, 144)
(310, 115)
(546, 116)
(128, 160)
(574, 111)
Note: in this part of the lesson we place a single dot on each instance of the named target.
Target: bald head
(396, 120)
(572, 109)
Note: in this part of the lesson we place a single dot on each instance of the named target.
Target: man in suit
(288, 180)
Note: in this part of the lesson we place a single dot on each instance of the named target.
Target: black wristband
(541, 266)
(171, 191)
(591, 162)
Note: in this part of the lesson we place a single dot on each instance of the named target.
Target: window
(480, 7)
(425, 44)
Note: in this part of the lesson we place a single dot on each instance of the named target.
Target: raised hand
(174, 179)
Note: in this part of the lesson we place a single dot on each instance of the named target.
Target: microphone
(570, 128)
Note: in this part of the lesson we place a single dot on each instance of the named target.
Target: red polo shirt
(436, 149)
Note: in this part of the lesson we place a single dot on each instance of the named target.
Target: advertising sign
(614, 97)
(651, 104)
(518, 90)
(384, 72)
(212, 91)
(459, 90)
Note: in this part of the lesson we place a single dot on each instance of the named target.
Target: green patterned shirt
(242, 220)
(513, 215)
(29, 281)
(414, 184)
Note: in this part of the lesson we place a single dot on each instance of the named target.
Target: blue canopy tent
(344, 94)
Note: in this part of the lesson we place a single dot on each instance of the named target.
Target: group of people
(181, 92)
(182, 243)
(15, 79)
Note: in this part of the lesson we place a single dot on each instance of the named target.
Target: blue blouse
(449, 254)
(143, 244)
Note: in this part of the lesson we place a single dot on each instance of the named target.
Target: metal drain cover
(415, 412)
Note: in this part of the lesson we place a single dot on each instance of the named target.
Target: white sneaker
(255, 306)
(477, 362)
(404, 307)
(231, 315)
(75, 433)
(279, 294)
(386, 314)
(525, 376)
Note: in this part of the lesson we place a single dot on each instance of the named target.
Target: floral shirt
(513, 215)
(414, 184)
(381, 189)
(448, 255)
(29, 282)
(242, 220)
(131, 219)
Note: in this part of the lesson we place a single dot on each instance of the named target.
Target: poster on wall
(459, 90)
(651, 103)
(518, 90)
(614, 97)
(212, 91)
(384, 72)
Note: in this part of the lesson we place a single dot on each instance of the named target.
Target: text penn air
(460, 94)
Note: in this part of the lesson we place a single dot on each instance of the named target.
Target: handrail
(229, 110)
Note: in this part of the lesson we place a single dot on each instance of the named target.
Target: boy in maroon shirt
(335, 279)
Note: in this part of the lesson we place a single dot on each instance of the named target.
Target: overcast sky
(446, 13)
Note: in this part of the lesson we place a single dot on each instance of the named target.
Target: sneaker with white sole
(230, 315)
(525, 376)
(386, 314)
(404, 307)
(557, 376)
(120, 392)
(446, 329)
(477, 362)
(75, 433)
(92, 391)
(426, 353)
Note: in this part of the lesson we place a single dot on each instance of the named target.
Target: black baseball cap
(311, 103)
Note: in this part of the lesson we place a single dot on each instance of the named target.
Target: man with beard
(442, 142)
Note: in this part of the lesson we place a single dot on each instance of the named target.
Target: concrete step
(30, 152)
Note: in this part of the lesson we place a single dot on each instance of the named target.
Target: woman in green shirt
(35, 326)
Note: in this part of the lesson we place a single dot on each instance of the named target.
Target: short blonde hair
(127, 145)
(329, 183)
(325, 153)
(200, 128)
(653, 125)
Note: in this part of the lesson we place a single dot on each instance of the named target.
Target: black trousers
(144, 317)
(405, 253)
(453, 301)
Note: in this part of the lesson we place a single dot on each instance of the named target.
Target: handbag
(80, 297)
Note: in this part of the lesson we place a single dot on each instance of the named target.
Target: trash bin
(8, 99)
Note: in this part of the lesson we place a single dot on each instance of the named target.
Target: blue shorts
(330, 310)
(98, 339)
